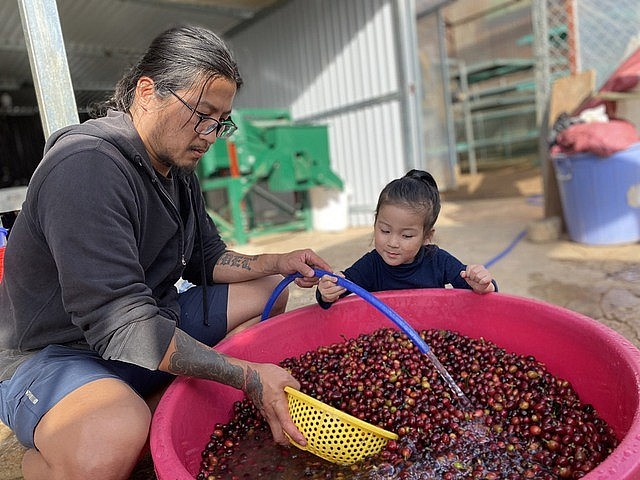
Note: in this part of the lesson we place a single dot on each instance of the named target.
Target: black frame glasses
(207, 124)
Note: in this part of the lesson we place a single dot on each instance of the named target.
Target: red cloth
(600, 138)
(625, 78)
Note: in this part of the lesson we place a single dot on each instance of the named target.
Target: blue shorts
(45, 378)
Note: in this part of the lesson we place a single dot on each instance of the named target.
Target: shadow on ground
(504, 182)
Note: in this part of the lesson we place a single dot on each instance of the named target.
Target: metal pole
(450, 120)
(572, 36)
(468, 119)
(541, 54)
(49, 66)
(411, 88)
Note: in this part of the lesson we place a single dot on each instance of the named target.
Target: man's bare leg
(247, 301)
(97, 431)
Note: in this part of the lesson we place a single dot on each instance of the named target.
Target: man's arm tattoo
(193, 359)
(253, 387)
(236, 260)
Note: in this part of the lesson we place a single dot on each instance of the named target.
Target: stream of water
(462, 398)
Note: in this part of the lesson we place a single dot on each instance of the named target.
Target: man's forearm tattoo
(253, 387)
(194, 359)
(235, 260)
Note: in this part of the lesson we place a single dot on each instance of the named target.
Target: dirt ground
(487, 220)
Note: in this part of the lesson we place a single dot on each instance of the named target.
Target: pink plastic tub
(603, 366)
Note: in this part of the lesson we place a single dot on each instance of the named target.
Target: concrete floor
(480, 222)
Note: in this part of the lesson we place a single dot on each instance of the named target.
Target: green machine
(258, 181)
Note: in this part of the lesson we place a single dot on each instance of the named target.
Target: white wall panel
(367, 165)
(334, 62)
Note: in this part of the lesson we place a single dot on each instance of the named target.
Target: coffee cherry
(523, 423)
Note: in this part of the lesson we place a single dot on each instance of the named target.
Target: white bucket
(329, 209)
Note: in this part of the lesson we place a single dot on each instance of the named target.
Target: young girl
(403, 258)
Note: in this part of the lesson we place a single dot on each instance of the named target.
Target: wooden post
(567, 94)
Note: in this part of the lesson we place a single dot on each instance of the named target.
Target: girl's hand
(328, 288)
(478, 278)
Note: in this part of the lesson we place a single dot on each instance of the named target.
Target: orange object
(233, 159)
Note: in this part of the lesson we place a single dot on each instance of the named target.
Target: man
(91, 323)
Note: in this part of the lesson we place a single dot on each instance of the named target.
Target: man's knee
(108, 453)
(95, 432)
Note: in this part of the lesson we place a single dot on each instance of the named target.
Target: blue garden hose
(510, 247)
(352, 287)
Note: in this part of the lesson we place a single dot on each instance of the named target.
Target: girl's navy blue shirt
(432, 268)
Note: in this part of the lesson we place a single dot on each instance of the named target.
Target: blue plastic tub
(601, 196)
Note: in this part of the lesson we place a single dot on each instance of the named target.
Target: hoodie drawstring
(203, 273)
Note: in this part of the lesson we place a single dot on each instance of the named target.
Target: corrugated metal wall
(337, 63)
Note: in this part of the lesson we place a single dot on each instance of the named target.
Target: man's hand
(265, 387)
(303, 262)
(263, 383)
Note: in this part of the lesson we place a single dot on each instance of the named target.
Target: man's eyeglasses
(206, 124)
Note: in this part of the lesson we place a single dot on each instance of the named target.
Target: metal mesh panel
(574, 36)
(607, 31)
(504, 57)
(492, 73)
(560, 45)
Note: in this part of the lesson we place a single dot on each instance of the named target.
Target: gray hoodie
(95, 252)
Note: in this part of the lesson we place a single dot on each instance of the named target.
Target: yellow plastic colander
(332, 434)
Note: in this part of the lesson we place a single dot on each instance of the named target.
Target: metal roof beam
(80, 49)
(242, 13)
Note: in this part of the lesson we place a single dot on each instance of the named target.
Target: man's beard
(180, 172)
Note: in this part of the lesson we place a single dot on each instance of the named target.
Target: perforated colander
(332, 434)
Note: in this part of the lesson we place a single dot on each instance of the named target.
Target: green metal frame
(242, 227)
(268, 154)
